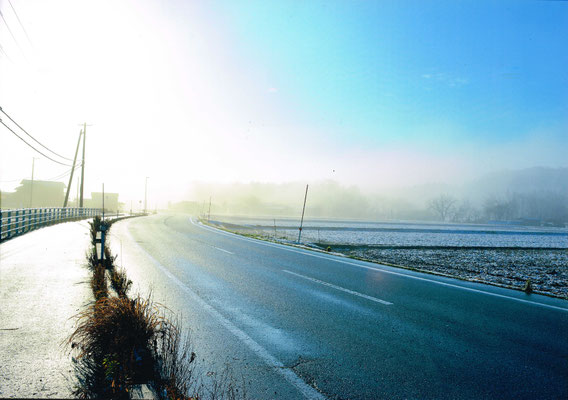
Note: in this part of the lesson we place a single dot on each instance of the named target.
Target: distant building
(52, 194)
(96, 201)
(35, 194)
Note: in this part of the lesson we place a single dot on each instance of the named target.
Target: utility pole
(32, 185)
(83, 163)
(302, 220)
(209, 214)
(72, 170)
(146, 196)
(103, 201)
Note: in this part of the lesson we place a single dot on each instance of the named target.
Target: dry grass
(120, 282)
(120, 342)
(120, 330)
(99, 283)
(92, 262)
(528, 287)
(136, 320)
(174, 365)
(95, 227)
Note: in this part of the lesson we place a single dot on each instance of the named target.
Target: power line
(8, 26)
(45, 147)
(63, 175)
(4, 52)
(19, 137)
(22, 25)
(60, 176)
(12, 34)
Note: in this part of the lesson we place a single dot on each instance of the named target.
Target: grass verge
(121, 341)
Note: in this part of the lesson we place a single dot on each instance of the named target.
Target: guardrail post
(24, 220)
(9, 224)
(18, 222)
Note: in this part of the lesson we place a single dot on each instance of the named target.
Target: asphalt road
(290, 323)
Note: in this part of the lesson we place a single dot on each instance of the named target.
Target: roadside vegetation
(121, 341)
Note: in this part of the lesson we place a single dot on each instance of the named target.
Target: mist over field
(531, 194)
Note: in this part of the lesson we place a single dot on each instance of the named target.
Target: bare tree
(442, 205)
(465, 212)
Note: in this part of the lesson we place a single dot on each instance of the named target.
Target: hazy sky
(373, 93)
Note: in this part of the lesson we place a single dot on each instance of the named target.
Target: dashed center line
(226, 251)
(377, 268)
(331, 285)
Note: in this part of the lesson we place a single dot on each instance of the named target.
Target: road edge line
(330, 258)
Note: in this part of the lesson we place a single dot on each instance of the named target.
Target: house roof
(52, 184)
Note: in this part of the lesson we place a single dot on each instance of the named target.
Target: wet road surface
(291, 323)
(43, 283)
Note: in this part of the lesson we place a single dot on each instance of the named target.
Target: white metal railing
(17, 222)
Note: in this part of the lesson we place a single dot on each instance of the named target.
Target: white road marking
(226, 251)
(377, 269)
(340, 288)
(307, 391)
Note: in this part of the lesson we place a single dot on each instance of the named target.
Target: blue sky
(494, 71)
(369, 93)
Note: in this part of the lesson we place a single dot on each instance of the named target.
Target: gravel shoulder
(546, 269)
(43, 284)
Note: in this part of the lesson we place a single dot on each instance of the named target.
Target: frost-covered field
(502, 255)
(405, 234)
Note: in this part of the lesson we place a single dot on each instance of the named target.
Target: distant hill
(536, 179)
(495, 184)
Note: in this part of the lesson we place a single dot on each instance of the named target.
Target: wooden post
(303, 210)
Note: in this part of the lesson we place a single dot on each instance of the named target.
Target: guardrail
(17, 222)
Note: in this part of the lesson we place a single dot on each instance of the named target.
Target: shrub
(92, 261)
(528, 287)
(174, 364)
(95, 227)
(109, 259)
(120, 327)
(120, 282)
(98, 282)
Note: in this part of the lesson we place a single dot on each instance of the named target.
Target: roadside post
(302, 220)
(100, 243)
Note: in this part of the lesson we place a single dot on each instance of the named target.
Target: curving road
(291, 323)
